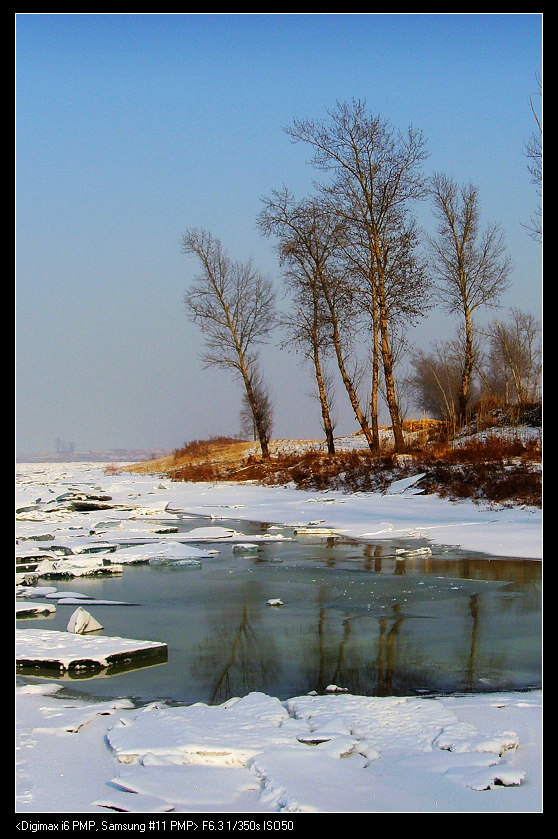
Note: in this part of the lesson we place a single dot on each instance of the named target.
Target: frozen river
(353, 615)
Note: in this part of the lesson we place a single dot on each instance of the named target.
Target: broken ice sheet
(68, 717)
(172, 786)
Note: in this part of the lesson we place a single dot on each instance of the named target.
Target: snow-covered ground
(255, 754)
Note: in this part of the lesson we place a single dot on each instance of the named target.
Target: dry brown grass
(198, 456)
(215, 447)
(495, 469)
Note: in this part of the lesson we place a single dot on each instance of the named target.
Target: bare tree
(306, 329)
(436, 379)
(471, 264)
(234, 307)
(514, 357)
(308, 242)
(406, 287)
(377, 175)
(533, 152)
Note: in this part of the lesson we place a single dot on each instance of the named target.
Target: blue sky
(131, 128)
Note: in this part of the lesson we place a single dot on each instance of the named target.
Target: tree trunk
(375, 377)
(322, 393)
(258, 419)
(347, 381)
(353, 398)
(326, 417)
(391, 396)
(467, 370)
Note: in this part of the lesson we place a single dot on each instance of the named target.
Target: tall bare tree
(377, 175)
(234, 306)
(470, 263)
(406, 287)
(309, 239)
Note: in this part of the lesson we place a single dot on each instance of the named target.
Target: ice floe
(30, 607)
(68, 651)
(159, 553)
(76, 566)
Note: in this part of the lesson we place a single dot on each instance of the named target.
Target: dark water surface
(353, 615)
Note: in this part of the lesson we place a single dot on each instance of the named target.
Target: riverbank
(498, 464)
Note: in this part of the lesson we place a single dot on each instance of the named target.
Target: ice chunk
(81, 622)
(245, 547)
(163, 551)
(404, 484)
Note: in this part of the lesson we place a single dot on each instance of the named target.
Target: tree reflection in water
(474, 608)
(362, 617)
(235, 659)
(432, 632)
(386, 652)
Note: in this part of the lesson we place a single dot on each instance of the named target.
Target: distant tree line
(357, 272)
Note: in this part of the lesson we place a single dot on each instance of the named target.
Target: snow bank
(400, 513)
(255, 754)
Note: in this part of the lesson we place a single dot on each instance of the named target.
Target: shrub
(112, 469)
